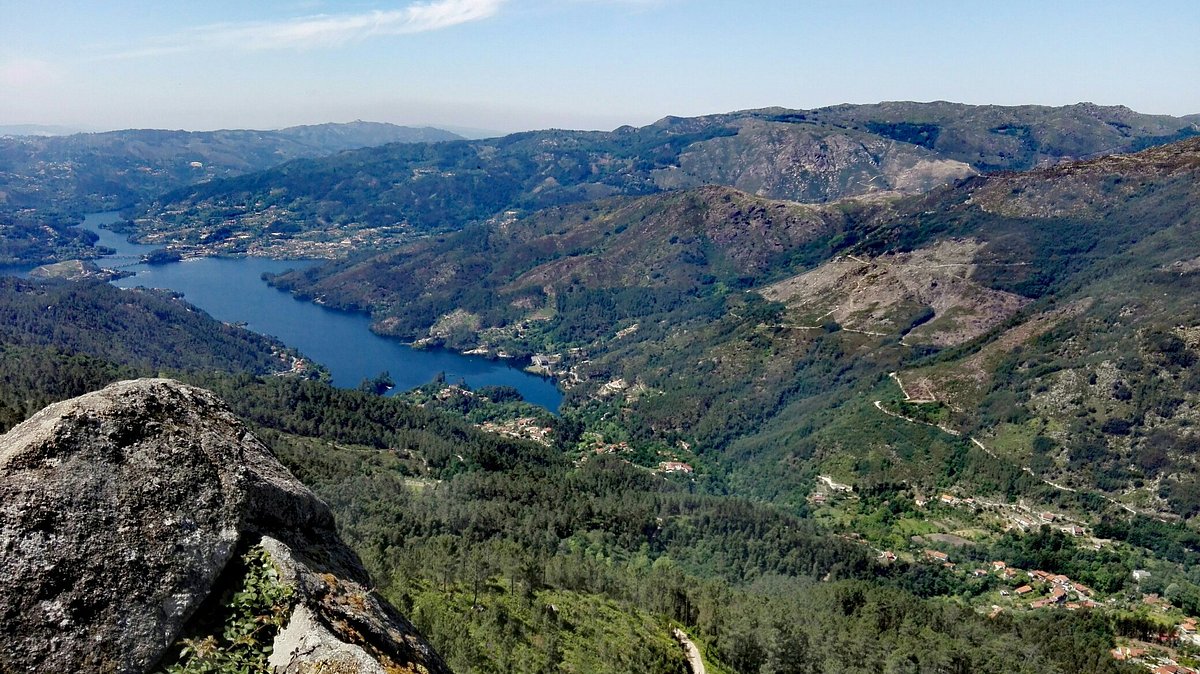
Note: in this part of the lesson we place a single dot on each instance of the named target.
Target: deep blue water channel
(232, 290)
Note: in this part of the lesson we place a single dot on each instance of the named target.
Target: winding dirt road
(695, 662)
(980, 445)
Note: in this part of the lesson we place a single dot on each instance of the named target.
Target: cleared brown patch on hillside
(964, 382)
(1078, 189)
(917, 388)
(884, 294)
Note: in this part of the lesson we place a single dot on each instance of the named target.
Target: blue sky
(518, 64)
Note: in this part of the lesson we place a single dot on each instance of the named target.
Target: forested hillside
(33, 238)
(811, 156)
(956, 290)
(937, 420)
(670, 246)
(59, 340)
(515, 560)
(511, 556)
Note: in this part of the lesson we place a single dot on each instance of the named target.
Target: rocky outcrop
(803, 162)
(119, 511)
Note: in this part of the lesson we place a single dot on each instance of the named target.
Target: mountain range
(809, 156)
(994, 299)
(725, 267)
(907, 386)
(116, 169)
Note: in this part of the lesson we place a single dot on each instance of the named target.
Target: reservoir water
(232, 290)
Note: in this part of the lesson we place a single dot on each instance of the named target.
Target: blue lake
(232, 290)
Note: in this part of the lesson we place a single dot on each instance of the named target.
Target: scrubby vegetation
(512, 557)
(233, 633)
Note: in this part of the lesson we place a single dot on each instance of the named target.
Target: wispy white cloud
(324, 30)
(630, 3)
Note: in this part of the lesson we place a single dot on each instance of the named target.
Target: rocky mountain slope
(996, 300)
(811, 156)
(1008, 138)
(143, 525)
(511, 270)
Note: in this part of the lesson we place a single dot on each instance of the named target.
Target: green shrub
(249, 617)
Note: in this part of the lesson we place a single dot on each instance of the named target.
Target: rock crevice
(120, 509)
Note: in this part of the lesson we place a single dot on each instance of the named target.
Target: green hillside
(387, 194)
(969, 292)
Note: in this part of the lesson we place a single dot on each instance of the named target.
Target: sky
(508, 65)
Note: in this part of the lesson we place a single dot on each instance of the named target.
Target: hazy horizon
(510, 65)
(466, 132)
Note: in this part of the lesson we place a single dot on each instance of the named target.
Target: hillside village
(1170, 643)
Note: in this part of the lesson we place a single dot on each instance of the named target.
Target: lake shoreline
(234, 291)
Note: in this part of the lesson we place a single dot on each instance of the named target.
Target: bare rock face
(331, 608)
(119, 510)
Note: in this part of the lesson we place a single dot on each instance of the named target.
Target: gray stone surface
(340, 621)
(306, 645)
(118, 511)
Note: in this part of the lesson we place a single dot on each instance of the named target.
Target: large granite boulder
(119, 511)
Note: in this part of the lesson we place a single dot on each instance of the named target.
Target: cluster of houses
(675, 467)
(1188, 633)
(596, 444)
(453, 391)
(939, 556)
(1157, 662)
(295, 365)
(526, 428)
(1062, 591)
(1052, 590)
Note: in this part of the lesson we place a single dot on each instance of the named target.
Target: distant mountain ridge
(116, 169)
(333, 136)
(37, 130)
(997, 137)
(798, 155)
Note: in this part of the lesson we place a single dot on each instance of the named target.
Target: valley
(907, 387)
(339, 344)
